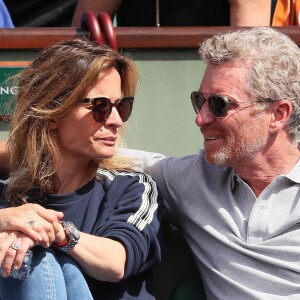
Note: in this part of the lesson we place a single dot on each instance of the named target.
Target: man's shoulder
(195, 164)
(143, 159)
(192, 160)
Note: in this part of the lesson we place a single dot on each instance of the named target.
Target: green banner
(7, 90)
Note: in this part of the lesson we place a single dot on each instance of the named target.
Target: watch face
(73, 232)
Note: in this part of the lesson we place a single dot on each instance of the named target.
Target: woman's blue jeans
(54, 276)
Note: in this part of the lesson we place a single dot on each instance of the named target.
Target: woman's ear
(52, 124)
(281, 113)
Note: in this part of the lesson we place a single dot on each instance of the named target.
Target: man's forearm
(250, 12)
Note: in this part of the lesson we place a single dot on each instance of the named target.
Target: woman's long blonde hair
(60, 75)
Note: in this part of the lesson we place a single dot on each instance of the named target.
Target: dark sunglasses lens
(101, 109)
(218, 106)
(197, 101)
(124, 108)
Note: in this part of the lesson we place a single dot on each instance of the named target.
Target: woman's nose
(114, 118)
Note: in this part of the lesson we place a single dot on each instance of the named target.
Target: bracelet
(62, 244)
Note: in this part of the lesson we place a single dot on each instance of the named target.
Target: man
(237, 202)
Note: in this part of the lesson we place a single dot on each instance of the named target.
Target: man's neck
(264, 168)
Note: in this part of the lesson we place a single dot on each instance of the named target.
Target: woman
(71, 105)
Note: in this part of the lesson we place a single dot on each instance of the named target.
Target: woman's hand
(38, 223)
(13, 247)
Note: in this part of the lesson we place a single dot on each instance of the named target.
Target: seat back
(176, 268)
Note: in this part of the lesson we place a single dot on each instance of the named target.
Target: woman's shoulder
(132, 182)
(122, 175)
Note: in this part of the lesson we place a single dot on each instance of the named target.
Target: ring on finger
(15, 246)
(31, 222)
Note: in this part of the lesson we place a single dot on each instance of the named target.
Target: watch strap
(73, 234)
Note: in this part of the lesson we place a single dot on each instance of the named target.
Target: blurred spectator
(59, 13)
(41, 13)
(179, 13)
(285, 12)
(5, 18)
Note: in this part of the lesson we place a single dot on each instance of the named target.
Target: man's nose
(205, 116)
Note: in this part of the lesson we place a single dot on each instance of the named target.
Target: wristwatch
(73, 234)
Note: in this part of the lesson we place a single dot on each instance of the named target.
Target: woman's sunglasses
(102, 107)
(218, 104)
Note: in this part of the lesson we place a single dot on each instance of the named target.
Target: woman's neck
(72, 178)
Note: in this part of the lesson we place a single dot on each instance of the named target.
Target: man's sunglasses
(102, 107)
(218, 104)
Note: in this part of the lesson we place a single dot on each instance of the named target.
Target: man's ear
(52, 124)
(281, 112)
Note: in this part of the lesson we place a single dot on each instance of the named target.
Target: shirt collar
(294, 174)
(235, 179)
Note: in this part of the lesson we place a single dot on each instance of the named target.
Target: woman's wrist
(73, 236)
(62, 238)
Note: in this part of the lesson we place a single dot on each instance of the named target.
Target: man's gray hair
(273, 60)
